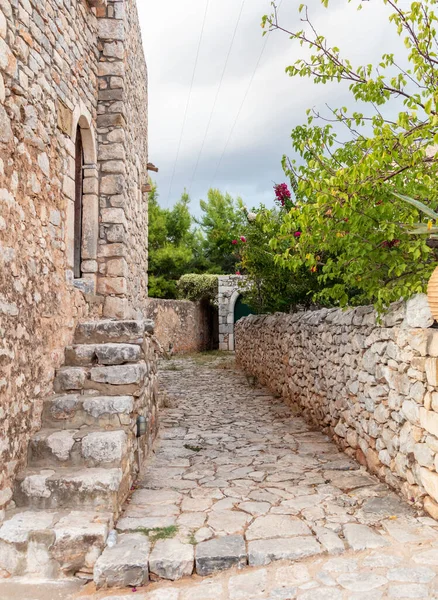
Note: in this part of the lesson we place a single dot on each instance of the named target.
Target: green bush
(198, 287)
(270, 286)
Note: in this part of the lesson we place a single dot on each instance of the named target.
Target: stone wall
(181, 326)
(123, 160)
(48, 59)
(372, 387)
(64, 64)
(137, 154)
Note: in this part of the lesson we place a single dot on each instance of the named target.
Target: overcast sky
(274, 104)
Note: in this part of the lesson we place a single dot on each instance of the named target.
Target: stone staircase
(82, 463)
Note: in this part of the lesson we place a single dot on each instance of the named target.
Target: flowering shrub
(270, 286)
(355, 231)
(390, 243)
(283, 197)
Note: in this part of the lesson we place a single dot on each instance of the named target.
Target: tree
(270, 287)
(222, 222)
(173, 245)
(354, 230)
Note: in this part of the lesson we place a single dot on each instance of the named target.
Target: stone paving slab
(22, 589)
(370, 575)
(239, 479)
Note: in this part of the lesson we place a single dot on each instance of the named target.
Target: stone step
(175, 558)
(108, 331)
(52, 544)
(125, 564)
(117, 380)
(78, 447)
(98, 488)
(71, 411)
(84, 355)
(169, 559)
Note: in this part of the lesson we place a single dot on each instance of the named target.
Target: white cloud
(275, 103)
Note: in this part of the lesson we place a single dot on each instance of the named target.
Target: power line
(217, 94)
(189, 98)
(233, 127)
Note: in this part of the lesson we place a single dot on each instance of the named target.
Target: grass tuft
(192, 448)
(159, 533)
(192, 539)
(172, 367)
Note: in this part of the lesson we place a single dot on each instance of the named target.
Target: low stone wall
(372, 387)
(181, 326)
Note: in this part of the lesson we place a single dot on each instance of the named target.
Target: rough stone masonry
(73, 192)
(372, 386)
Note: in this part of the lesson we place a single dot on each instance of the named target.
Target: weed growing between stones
(172, 367)
(226, 365)
(159, 533)
(192, 448)
(204, 358)
(192, 539)
(165, 400)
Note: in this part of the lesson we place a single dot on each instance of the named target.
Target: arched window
(79, 186)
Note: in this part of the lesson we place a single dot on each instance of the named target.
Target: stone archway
(230, 290)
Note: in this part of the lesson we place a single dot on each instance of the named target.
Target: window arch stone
(82, 121)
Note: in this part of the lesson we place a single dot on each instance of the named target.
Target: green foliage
(198, 287)
(192, 538)
(193, 448)
(271, 286)
(159, 533)
(354, 229)
(173, 245)
(177, 247)
(221, 222)
(421, 228)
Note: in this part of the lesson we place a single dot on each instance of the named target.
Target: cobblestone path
(239, 479)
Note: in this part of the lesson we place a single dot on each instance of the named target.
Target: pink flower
(282, 193)
(234, 242)
(242, 238)
(238, 273)
(297, 234)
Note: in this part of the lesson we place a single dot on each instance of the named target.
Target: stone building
(73, 201)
